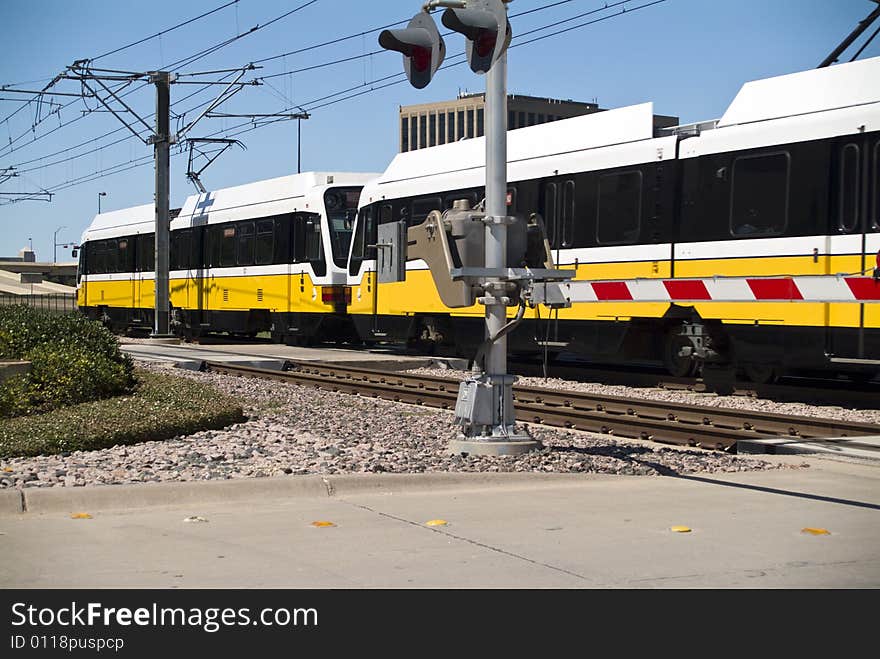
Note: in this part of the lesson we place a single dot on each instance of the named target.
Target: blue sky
(689, 57)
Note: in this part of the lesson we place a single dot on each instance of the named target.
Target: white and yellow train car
(786, 183)
(268, 256)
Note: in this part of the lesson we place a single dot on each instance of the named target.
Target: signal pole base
(513, 445)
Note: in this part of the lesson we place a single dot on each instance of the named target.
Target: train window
(125, 253)
(244, 254)
(619, 208)
(511, 200)
(282, 239)
(422, 207)
(264, 243)
(759, 194)
(227, 246)
(181, 246)
(214, 240)
(365, 234)
(386, 214)
(850, 179)
(567, 214)
(551, 212)
(146, 252)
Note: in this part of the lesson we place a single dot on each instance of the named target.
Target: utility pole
(55, 241)
(162, 156)
(161, 138)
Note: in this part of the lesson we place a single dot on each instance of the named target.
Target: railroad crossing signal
(422, 47)
(485, 27)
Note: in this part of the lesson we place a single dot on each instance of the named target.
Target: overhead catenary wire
(317, 103)
(172, 67)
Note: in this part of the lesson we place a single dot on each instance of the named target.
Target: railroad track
(797, 390)
(659, 421)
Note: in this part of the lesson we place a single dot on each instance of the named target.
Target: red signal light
(420, 58)
(484, 43)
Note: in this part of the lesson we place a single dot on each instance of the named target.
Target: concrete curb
(117, 497)
(10, 502)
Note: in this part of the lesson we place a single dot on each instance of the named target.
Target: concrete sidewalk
(502, 530)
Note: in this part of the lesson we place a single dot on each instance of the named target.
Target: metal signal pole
(162, 151)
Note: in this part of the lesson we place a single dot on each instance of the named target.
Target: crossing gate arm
(806, 288)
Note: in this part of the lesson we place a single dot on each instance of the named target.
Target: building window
(540, 118)
(850, 188)
(404, 135)
(531, 119)
(423, 131)
(759, 195)
(432, 129)
(470, 122)
(413, 133)
(511, 120)
(460, 133)
(481, 129)
(441, 128)
(619, 208)
(450, 121)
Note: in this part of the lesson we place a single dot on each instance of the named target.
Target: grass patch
(160, 407)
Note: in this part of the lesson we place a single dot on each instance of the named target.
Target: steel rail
(659, 421)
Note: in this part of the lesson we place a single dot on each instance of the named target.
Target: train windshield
(341, 205)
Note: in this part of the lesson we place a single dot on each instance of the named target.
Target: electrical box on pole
(422, 47)
(486, 29)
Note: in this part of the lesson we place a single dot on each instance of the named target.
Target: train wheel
(675, 364)
(761, 373)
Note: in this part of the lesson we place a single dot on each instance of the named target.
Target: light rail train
(786, 183)
(268, 256)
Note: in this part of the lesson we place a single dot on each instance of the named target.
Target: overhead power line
(370, 86)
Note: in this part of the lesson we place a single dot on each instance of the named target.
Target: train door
(557, 208)
(380, 322)
(144, 276)
(855, 242)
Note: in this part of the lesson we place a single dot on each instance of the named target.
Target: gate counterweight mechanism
(484, 255)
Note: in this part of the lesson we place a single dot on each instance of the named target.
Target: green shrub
(73, 360)
(160, 407)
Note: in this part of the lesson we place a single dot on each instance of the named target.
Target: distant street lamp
(100, 194)
(55, 240)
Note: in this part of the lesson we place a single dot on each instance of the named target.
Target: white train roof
(829, 88)
(125, 221)
(614, 137)
(285, 194)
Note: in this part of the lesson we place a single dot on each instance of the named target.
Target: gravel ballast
(295, 430)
